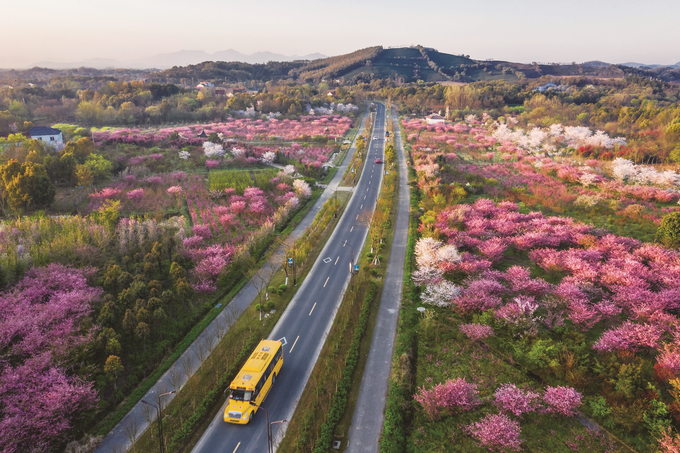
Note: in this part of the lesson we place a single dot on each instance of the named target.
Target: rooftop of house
(43, 130)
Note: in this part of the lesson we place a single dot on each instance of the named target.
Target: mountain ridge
(168, 60)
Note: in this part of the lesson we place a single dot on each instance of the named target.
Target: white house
(435, 119)
(46, 134)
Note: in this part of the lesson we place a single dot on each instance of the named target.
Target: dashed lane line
(291, 348)
(310, 311)
(324, 285)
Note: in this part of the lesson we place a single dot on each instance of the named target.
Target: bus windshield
(241, 395)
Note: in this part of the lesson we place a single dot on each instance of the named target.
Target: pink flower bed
(605, 277)
(245, 129)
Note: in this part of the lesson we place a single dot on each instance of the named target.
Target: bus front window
(241, 395)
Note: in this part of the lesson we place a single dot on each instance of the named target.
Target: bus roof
(251, 372)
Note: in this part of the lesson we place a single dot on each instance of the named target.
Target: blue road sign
(356, 268)
(290, 262)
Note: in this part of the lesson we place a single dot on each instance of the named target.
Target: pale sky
(615, 31)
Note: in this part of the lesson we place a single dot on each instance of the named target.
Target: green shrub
(669, 230)
(283, 287)
(270, 305)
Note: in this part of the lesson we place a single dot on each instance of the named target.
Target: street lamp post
(271, 430)
(159, 412)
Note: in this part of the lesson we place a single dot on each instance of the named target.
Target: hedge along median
(323, 444)
(202, 394)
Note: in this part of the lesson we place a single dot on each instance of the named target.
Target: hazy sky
(517, 30)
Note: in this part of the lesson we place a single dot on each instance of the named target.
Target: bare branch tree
(187, 366)
(201, 350)
(149, 414)
(131, 429)
(175, 378)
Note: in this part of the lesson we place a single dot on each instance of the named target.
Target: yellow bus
(253, 382)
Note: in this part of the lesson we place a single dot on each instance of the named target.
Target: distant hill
(651, 66)
(403, 65)
(180, 58)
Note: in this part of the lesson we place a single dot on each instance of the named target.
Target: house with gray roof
(46, 134)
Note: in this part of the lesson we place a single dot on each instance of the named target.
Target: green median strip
(331, 392)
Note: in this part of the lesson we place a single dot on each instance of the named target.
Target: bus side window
(259, 385)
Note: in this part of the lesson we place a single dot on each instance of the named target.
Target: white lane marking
(310, 312)
(369, 182)
(327, 260)
(364, 197)
(345, 243)
(324, 285)
(351, 228)
(284, 342)
(336, 260)
(356, 219)
(291, 348)
(366, 189)
(361, 206)
(237, 445)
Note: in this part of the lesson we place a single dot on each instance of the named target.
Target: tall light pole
(269, 436)
(159, 412)
(271, 430)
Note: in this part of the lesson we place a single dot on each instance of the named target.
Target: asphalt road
(308, 318)
(368, 418)
(137, 420)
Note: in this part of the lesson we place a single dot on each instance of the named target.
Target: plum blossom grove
(246, 129)
(570, 279)
(40, 330)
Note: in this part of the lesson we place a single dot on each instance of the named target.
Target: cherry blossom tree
(476, 332)
(496, 431)
(302, 188)
(454, 394)
(509, 398)
(440, 294)
(40, 329)
(562, 400)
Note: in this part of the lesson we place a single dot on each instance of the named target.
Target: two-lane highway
(306, 322)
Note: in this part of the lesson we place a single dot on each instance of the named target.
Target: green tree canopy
(26, 185)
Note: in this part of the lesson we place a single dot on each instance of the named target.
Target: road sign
(290, 262)
(356, 268)
(387, 172)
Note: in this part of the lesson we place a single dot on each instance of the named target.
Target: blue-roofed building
(46, 134)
